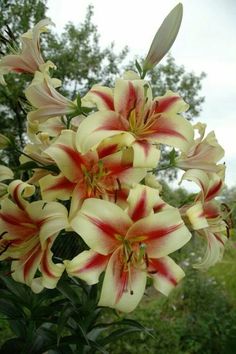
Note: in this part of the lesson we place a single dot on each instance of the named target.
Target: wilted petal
(203, 154)
(210, 183)
(197, 216)
(214, 250)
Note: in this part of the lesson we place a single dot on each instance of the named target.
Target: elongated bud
(164, 38)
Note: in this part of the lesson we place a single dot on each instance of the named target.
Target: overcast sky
(206, 42)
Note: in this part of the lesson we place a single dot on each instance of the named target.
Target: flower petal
(214, 250)
(101, 96)
(163, 233)
(99, 223)
(56, 187)
(166, 274)
(145, 154)
(122, 289)
(96, 127)
(87, 266)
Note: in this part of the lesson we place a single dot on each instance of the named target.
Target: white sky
(206, 42)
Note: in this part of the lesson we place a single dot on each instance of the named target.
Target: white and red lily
(42, 95)
(130, 109)
(29, 59)
(96, 174)
(130, 245)
(29, 230)
(203, 154)
(205, 216)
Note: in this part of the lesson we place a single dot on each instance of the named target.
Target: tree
(80, 64)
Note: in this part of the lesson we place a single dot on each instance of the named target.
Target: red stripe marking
(16, 197)
(155, 234)
(219, 239)
(106, 228)
(214, 190)
(140, 208)
(62, 183)
(162, 269)
(158, 207)
(165, 103)
(45, 264)
(30, 260)
(73, 155)
(96, 261)
(108, 100)
(107, 150)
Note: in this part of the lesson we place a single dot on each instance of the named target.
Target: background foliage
(200, 316)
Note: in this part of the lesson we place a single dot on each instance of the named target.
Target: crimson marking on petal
(19, 70)
(219, 239)
(165, 103)
(121, 276)
(140, 208)
(145, 146)
(107, 150)
(162, 269)
(155, 234)
(214, 190)
(30, 260)
(108, 100)
(109, 124)
(44, 262)
(158, 207)
(160, 129)
(74, 156)
(106, 228)
(131, 101)
(16, 197)
(96, 261)
(62, 183)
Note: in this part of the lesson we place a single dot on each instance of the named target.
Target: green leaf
(164, 38)
(79, 103)
(138, 67)
(29, 165)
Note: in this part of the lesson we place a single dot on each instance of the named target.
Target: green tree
(80, 63)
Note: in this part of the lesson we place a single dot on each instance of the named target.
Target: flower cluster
(95, 159)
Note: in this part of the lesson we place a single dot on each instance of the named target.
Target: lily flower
(203, 154)
(97, 174)
(130, 109)
(29, 229)
(42, 95)
(29, 59)
(206, 218)
(130, 245)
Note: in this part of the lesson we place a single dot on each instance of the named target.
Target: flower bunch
(96, 163)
